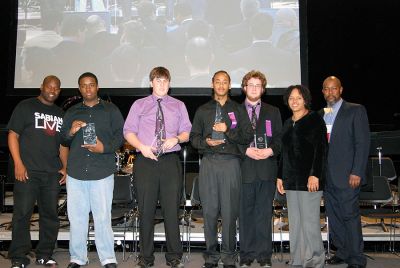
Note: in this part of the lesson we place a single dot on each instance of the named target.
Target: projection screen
(122, 40)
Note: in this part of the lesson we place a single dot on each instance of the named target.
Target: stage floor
(378, 246)
(195, 260)
(192, 234)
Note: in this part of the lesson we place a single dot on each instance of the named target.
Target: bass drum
(123, 188)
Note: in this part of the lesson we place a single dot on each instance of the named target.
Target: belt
(164, 154)
(221, 156)
(169, 153)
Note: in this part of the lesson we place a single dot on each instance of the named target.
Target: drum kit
(124, 159)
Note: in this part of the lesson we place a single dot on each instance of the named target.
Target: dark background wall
(355, 40)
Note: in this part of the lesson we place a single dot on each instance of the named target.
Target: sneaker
(73, 265)
(210, 265)
(49, 262)
(143, 264)
(110, 265)
(175, 264)
(266, 263)
(245, 263)
(16, 264)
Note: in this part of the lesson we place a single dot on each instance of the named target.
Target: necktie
(160, 127)
(253, 117)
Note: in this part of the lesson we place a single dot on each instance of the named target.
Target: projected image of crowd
(121, 40)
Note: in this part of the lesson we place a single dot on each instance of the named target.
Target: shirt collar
(155, 98)
(249, 105)
(337, 105)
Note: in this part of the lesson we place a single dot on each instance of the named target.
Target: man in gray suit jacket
(349, 140)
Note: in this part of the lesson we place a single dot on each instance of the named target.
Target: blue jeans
(82, 197)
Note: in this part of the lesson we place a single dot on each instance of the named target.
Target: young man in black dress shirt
(90, 169)
(220, 176)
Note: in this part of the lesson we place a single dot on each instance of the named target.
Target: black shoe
(229, 266)
(143, 264)
(356, 266)
(265, 263)
(175, 263)
(335, 260)
(17, 264)
(48, 262)
(210, 265)
(73, 265)
(110, 265)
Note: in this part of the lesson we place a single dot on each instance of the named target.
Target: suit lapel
(337, 124)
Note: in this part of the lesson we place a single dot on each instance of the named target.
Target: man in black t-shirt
(40, 168)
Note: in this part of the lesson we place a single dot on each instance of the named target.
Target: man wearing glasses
(259, 172)
(155, 126)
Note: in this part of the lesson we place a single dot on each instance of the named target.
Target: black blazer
(349, 145)
(265, 169)
(304, 152)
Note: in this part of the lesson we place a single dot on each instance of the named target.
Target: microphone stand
(185, 217)
(379, 149)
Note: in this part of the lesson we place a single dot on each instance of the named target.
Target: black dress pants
(219, 188)
(343, 210)
(43, 188)
(255, 220)
(159, 181)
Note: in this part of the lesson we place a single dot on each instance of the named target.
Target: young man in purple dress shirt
(158, 175)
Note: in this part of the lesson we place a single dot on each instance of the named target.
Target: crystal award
(218, 135)
(260, 141)
(89, 134)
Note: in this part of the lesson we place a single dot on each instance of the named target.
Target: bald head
(95, 24)
(332, 79)
(332, 90)
(50, 78)
(50, 90)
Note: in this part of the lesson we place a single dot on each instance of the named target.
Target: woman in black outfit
(301, 176)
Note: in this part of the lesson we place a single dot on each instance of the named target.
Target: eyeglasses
(258, 86)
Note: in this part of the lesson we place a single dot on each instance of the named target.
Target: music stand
(385, 142)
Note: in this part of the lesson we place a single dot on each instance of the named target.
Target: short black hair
(88, 74)
(221, 72)
(304, 92)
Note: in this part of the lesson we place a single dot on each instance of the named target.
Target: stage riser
(194, 237)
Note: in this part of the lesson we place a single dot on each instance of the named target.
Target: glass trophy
(89, 134)
(218, 135)
(260, 141)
